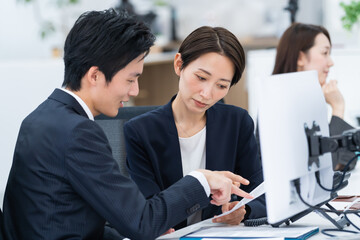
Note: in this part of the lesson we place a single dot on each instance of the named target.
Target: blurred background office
(23, 20)
(32, 34)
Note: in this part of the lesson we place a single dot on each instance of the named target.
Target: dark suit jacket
(64, 182)
(154, 158)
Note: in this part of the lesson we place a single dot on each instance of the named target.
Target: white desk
(312, 219)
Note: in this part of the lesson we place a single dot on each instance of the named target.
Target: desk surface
(312, 219)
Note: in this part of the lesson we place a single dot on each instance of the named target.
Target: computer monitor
(287, 104)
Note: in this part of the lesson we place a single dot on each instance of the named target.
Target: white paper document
(258, 191)
(292, 232)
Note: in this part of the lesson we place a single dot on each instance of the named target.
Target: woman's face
(204, 81)
(317, 58)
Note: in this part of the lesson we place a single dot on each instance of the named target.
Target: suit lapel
(212, 154)
(67, 99)
(174, 145)
(210, 147)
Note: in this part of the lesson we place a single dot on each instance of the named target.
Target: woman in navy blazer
(194, 130)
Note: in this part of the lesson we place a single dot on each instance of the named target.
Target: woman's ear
(178, 63)
(302, 59)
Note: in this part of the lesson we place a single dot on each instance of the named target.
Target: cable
(255, 222)
(346, 168)
(346, 217)
(324, 231)
(297, 186)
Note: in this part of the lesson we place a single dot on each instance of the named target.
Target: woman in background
(194, 130)
(305, 47)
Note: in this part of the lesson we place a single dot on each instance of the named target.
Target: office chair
(113, 128)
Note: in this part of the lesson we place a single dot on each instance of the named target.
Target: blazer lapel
(213, 161)
(173, 144)
(67, 99)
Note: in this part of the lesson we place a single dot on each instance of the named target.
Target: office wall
(331, 19)
(243, 17)
(20, 26)
(27, 85)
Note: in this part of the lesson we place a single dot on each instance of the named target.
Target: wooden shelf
(159, 83)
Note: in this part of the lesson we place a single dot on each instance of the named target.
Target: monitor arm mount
(318, 145)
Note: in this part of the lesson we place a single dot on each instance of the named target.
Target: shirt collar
(81, 102)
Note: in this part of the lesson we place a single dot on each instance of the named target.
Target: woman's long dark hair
(298, 37)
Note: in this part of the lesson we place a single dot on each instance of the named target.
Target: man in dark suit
(64, 182)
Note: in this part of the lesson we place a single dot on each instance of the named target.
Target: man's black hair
(106, 39)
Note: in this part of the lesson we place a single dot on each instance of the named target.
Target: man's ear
(178, 63)
(301, 61)
(92, 75)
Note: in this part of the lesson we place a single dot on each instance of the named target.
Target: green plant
(47, 27)
(352, 13)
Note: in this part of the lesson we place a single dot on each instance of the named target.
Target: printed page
(258, 191)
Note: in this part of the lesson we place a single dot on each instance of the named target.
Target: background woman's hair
(298, 37)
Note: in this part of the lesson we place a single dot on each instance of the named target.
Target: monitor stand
(339, 223)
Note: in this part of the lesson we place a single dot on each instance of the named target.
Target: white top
(193, 152)
(193, 156)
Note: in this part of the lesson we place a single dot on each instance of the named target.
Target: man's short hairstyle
(106, 39)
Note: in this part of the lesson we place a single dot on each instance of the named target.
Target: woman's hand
(171, 230)
(233, 218)
(334, 98)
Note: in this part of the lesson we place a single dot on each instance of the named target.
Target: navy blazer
(154, 158)
(64, 182)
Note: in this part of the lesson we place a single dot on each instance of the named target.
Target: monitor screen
(287, 104)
